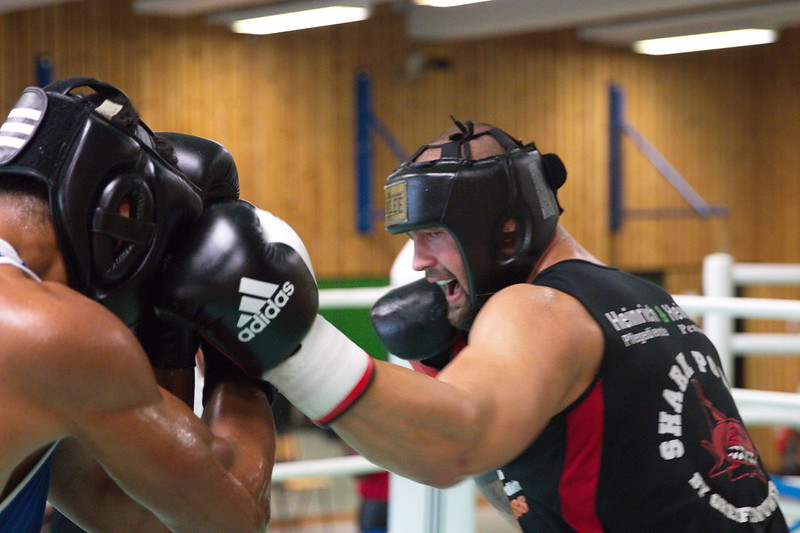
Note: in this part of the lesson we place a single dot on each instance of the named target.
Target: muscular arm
(93, 384)
(520, 368)
(83, 490)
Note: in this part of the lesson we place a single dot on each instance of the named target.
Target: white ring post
(718, 281)
(416, 508)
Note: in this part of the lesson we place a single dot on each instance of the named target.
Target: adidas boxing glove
(241, 288)
(411, 321)
(168, 345)
(244, 281)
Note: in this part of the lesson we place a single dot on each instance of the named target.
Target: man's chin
(461, 316)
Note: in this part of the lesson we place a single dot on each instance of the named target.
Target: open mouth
(452, 288)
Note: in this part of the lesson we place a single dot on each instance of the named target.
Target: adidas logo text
(261, 303)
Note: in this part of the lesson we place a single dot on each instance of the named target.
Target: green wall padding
(355, 322)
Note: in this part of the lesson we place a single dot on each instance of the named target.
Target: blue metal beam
(363, 154)
(367, 124)
(617, 212)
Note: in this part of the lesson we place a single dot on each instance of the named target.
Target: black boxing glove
(249, 295)
(217, 368)
(207, 164)
(210, 166)
(215, 282)
(168, 345)
(411, 321)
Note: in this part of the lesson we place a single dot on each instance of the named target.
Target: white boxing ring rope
(349, 465)
(721, 277)
(718, 309)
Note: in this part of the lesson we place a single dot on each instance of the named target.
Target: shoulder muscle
(532, 351)
(68, 350)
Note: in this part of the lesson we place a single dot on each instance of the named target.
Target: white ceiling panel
(613, 21)
(516, 16)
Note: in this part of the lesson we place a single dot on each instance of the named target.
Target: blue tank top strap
(23, 509)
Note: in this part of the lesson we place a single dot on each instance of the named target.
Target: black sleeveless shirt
(656, 443)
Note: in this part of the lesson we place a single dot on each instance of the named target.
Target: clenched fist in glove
(251, 296)
(242, 279)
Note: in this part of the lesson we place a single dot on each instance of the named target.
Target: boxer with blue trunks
(90, 202)
(22, 509)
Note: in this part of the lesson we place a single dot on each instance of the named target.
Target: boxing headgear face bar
(473, 200)
(91, 167)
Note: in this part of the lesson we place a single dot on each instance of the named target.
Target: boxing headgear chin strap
(93, 171)
(473, 200)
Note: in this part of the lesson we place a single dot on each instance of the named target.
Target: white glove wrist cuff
(326, 375)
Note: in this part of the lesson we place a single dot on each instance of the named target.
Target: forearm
(82, 490)
(240, 413)
(416, 426)
(172, 464)
(413, 424)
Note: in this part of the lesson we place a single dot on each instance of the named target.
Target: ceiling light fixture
(446, 3)
(293, 16)
(705, 41)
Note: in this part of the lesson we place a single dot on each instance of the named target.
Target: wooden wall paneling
(9, 45)
(679, 119)
(579, 136)
(5, 45)
(378, 51)
(774, 146)
(404, 105)
(593, 147)
(20, 58)
(5, 60)
(283, 106)
(286, 186)
(334, 213)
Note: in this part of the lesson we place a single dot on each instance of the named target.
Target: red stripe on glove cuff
(350, 400)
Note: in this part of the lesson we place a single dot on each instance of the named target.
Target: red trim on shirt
(424, 369)
(578, 486)
(458, 344)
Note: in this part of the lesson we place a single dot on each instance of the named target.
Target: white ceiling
(616, 21)
(603, 20)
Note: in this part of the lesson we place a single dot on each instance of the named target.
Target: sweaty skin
(71, 371)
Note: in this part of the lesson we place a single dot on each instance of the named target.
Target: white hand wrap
(327, 374)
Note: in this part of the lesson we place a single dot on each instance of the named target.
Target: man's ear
(509, 237)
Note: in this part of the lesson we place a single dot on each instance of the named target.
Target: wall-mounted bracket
(618, 126)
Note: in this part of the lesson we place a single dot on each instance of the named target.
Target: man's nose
(422, 259)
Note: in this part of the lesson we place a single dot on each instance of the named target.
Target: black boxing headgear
(475, 199)
(92, 164)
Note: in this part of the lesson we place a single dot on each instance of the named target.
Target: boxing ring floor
(716, 312)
